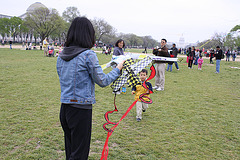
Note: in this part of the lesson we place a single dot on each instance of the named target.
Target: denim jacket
(79, 73)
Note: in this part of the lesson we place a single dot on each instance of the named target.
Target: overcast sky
(195, 20)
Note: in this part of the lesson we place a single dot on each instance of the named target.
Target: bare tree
(148, 41)
(102, 28)
(134, 40)
(70, 14)
(220, 38)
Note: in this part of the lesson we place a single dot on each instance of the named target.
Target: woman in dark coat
(191, 57)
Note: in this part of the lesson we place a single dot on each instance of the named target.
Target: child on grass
(138, 90)
(200, 62)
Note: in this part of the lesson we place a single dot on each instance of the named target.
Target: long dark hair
(120, 40)
(81, 33)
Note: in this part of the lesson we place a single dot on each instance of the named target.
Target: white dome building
(29, 36)
(32, 7)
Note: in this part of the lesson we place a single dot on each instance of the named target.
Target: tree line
(226, 41)
(43, 22)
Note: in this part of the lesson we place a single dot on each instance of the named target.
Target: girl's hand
(120, 65)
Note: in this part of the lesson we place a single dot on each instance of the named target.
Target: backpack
(222, 56)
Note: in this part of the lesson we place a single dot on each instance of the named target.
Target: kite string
(152, 75)
(110, 131)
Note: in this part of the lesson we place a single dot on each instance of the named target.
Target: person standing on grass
(78, 70)
(200, 62)
(188, 53)
(234, 55)
(196, 57)
(160, 66)
(10, 43)
(45, 46)
(191, 57)
(211, 56)
(145, 50)
(218, 56)
(138, 90)
(175, 53)
(228, 55)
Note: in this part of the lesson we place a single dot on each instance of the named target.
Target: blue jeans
(196, 61)
(218, 65)
(176, 65)
(169, 65)
(227, 57)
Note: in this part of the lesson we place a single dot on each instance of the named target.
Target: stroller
(51, 52)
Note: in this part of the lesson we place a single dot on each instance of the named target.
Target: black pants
(77, 125)
(190, 62)
(211, 59)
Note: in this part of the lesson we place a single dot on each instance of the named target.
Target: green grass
(196, 117)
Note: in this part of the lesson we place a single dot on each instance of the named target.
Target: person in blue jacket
(78, 70)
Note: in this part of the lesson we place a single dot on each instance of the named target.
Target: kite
(130, 76)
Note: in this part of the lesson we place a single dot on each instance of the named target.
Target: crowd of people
(194, 56)
(49, 50)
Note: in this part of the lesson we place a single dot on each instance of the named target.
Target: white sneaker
(159, 89)
(155, 87)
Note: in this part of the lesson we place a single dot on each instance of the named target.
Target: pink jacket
(200, 61)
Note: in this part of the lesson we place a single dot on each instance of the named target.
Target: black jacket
(174, 52)
(218, 54)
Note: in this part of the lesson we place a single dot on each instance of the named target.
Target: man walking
(160, 66)
(218, 56)
(175, 53)
(10, 43)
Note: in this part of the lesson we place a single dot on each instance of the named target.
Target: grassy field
(196, 117)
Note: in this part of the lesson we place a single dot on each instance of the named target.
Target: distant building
(5, 16)
(31, 8)
(28, 37)
(181, 42)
